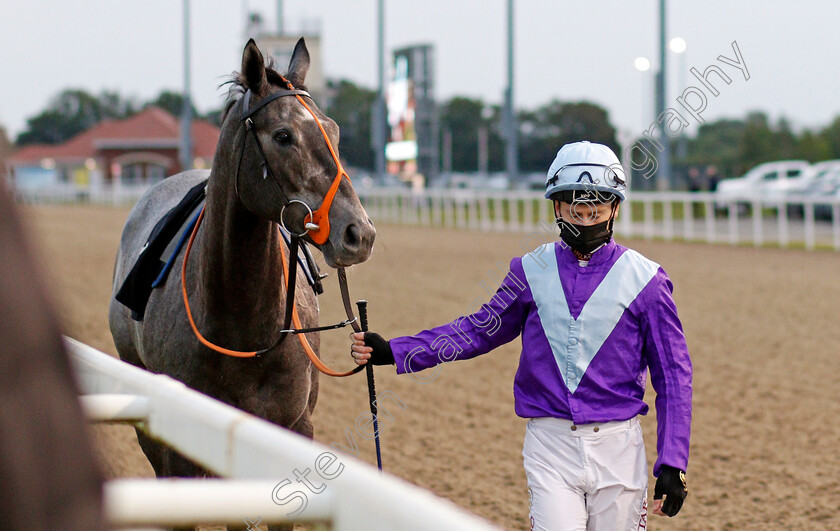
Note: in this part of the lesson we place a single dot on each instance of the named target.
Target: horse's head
(285, 160)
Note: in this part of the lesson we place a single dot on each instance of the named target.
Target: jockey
(594, 318)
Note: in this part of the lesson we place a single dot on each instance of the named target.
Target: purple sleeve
(670, 371)
(495, 323)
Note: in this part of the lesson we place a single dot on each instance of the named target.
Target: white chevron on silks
(575, 342)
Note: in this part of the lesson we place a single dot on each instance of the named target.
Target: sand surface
(761, 326)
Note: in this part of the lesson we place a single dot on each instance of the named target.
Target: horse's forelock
(238, 85)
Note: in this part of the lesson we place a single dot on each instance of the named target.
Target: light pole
(664, 174)
(379, 116)
(642, 64)
(509, 121)
(185, 154)
(678, 46)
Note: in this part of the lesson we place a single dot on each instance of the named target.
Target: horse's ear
(253, 68)
(299, 64)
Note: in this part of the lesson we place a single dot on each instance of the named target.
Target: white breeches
(586, 477)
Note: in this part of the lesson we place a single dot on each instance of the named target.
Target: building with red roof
(139, 150)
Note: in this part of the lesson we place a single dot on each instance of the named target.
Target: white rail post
(430, 201)
(709, 207)
(625, 218)
(437, 209)
(784, 237)
(405, 207)
(416, 218)
(732, 212)
(450, 212)
(380, 206)
(472, 213)
(399, 206)
(389, 206)
(528, 222)
(688, 218)
(758, 222)
(835, 223)
(484, 221)
(425, 210)
(809, 226)
(392, 207)
(513, 214)
(648, 217)
(668, 218)
(499, 213)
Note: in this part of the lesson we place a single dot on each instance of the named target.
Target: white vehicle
(765, 181)
(815, 174)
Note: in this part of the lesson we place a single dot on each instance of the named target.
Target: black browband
(248, 112)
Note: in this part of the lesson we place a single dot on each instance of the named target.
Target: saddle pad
(138, 285)
(150, 270)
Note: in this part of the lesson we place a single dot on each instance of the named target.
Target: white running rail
(690, 216)
(257, 455)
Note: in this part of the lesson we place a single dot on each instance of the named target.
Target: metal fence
(257, 458)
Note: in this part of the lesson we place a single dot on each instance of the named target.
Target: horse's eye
(283, 138)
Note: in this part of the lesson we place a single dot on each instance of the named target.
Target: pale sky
(564, 50)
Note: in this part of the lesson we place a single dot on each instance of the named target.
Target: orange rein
(310, 353)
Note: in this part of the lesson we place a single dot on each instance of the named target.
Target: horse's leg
(154, 452)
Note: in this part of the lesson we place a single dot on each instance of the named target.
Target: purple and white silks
(589, 336)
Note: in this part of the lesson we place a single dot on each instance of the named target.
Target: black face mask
(585, 238)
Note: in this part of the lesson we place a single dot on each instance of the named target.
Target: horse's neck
(240, 270)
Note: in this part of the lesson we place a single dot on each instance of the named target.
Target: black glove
(382, 354)
(671, 483)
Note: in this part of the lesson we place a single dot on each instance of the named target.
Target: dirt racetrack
(761, 326)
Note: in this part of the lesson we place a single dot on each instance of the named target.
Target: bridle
(316, 225)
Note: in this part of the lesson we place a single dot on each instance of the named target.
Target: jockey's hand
(669, 492)
(371, 346)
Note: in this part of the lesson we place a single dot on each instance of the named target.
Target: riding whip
(371, 385)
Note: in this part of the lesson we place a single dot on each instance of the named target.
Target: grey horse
(234, 276)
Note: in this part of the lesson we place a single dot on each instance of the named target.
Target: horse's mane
(238, 85)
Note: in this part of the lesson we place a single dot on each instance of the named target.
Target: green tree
(812, 147)
(495, 140)
(351, 107)
(784, 142)
(718, 143)
(214, 117)
(171, 102)
(757, 142)
(831, 135)
(72, 112)
(545, 130)
(462, 118)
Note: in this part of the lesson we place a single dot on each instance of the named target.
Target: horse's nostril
(351, 236)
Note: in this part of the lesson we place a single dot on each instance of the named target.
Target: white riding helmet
(585, 166)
